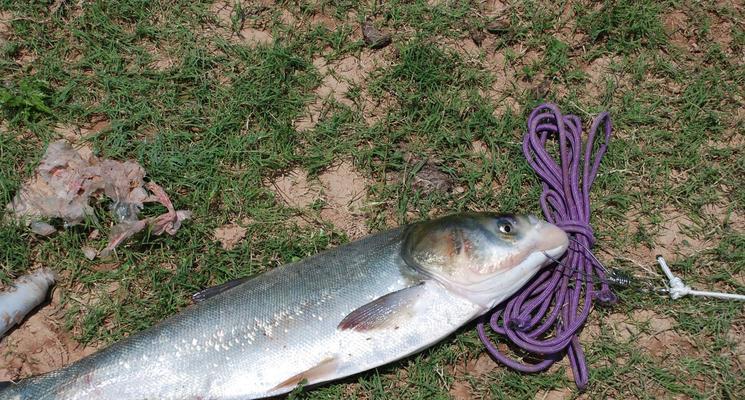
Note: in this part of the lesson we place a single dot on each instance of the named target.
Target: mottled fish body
(341, 312)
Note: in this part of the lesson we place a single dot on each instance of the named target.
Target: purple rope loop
(544, 318)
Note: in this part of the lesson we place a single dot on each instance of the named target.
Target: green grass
(218, 122)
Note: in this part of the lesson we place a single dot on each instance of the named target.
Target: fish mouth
(552, 240)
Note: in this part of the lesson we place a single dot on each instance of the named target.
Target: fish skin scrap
(66, 180)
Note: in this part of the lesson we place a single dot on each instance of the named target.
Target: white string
(679, 289)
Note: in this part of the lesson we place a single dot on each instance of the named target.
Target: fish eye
(506, 226)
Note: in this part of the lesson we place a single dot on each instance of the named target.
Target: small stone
(477, 35)
(373, 37)
(541, 90)
(499, 26)
(42, 228)
(431, 179)
(89, 252)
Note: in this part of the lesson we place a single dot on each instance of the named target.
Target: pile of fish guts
(338, 313)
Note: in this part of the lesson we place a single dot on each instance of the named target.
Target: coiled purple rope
(545, 317)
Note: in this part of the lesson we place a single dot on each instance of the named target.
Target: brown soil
(676, 26)
(230, 235)
(721, 32)
(675, 236)
(254, 37)
(460, 390)
(162, 60)
(736, 335)
(341, 188)
(75, 134)
(5, 18)
(344, 191)
(556, 394)
(41, 344)
(653, 333)
(598, 72)
(295, 190)
(247, 34)
(475, 368)
(338, 78)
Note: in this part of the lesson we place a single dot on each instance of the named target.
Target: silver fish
(341, 312)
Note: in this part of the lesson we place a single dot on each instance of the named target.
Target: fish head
(484, 257)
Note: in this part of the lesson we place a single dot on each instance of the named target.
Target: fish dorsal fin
(205, 294)
(322, 371)
(388, 311)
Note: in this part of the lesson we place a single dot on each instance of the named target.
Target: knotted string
(545, 317)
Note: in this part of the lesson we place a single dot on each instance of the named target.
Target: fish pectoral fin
(213, 291)
(320, 372)
(388, 311)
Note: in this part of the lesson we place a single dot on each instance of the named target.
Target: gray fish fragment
(26, 293)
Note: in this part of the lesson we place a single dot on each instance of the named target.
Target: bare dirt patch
(287, 17)
(326, 21)
(736, 335)
(5, 18)
(509, 81)
(75, 134)
(295, 189)
(40, 345)
(721, 32)
(341, 188)
(338, 78)
(222, 10)
(344, 192)
(676, 237)
(247, 32)
(598, 72)
(653, 333)
(161, 59)
(254, 37)
(676, 27)
(460, 391)
(474, 367)
(556, 394)
(230, 235)
(725, 213)
(465, 46)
